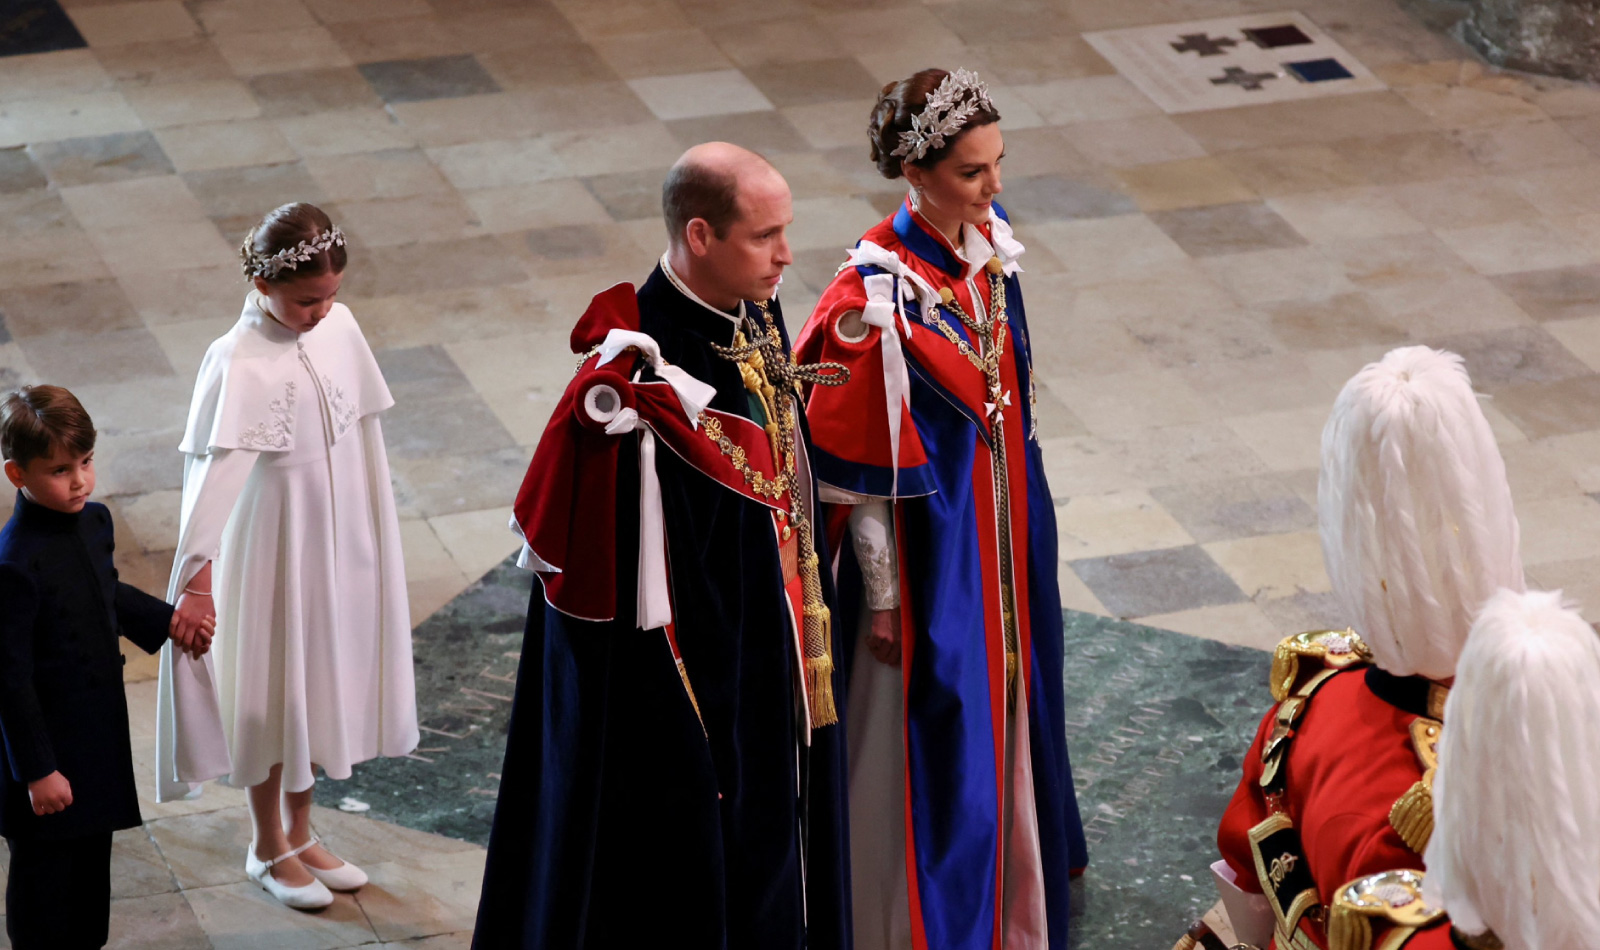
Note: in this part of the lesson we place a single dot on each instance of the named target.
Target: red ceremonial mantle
(567, 507)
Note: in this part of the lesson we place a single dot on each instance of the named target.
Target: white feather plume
(1516, 839)
(1415, 511)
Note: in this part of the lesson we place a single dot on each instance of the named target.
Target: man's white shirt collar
(672, 275)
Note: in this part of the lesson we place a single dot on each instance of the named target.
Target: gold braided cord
(767, 370)
(990, 334)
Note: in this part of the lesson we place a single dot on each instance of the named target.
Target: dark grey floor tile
(83, 309)
(312, 90)
(813, 81)
(101, 159)
(1147, 583)
(1508, 357)
(424, 368)
(628, 196)
(436, 265)
(237, 198)
(436, 77)
(447, 484)
(1235, 508)
(766, 132)
(423, 425)
(570, 242)
(5, 333)
(114, 356)
(18, 172)
(1057, 197)
(1227, 229)
(36, 26)
(548, 65)
(1559, 294)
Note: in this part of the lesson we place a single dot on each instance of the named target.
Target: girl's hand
(883, 636)
(193, 622)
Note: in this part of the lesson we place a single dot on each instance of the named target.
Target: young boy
(67, 780)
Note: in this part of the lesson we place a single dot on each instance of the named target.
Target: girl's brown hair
(283, 228)
(897, 103)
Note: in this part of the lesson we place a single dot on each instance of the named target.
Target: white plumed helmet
(1415, 511)
(1517, 791)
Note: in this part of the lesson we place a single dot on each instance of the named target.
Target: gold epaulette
(1390, 897)
(1332, 649)
(1412, 814)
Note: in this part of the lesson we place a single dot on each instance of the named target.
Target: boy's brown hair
(37, 420)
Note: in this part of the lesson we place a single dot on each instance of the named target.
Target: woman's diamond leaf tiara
(292, 257)
(949, 107)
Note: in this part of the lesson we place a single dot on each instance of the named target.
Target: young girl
(289, 538)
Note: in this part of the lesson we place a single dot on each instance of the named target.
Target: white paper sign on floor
(1233, 61)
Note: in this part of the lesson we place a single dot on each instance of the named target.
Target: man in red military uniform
(1324, 836)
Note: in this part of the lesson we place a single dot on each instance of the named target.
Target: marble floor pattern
(1200, 284)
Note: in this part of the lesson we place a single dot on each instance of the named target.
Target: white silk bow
(694, 395)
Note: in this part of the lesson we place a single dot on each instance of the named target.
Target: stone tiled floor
(1199, 284)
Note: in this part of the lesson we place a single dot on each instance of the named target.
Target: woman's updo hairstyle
(897, 103)
(293, 240)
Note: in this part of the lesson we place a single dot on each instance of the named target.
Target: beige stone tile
(1515, 246)
(78, 115)
(830, 223)
(1140, 140)
(1089, 99)
(1116, 523)
(859, 31)
(364, 840)
(690, 95)
(205, 849)
(384, 40)
(245, 917)
(1538, 471)
(1463, 202)
(1101, 250)
(1373, 263)
(1577, 580)
(638, 146)
(1243, 386)
(162, 247)
(214, 294)
(664, 53)
(116, 24)
(1121, 403)
(1292, 169)
(457, 121)
(65, 72)
(1310, 121)
(225, 145)
(1274, 565)
(1558, 408)
(426, 557)
(390, 221)
(345, 11)
(429, 317)
(1414, 156)
(1579, 453)
(1239, 624)
(364, 176)
(1293, 273)
(154, 519)
(1505, 431)
(185, 344)
(427, 596)
(1285, 440)
(252, 16)
(140, 201)
(831, 124)
(1345, 214)
(477, 540)
(1524, 146)
(562, 201)
(1570, 190)
(1580, 336)
(1559, 529)
(189, 59)
(185, 103)
(596, 21)
(281, 51)
(1458, 107)
(435, 894)
(1187, 183)
(57, 258)
(524, 413)
(345, 132)
(1075, 594)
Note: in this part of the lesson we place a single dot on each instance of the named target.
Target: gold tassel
(1412, 816)
(1011, 679)
(683, 674)
(819, 689)
(1348, 929)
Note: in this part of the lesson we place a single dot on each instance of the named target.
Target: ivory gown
(286, 487)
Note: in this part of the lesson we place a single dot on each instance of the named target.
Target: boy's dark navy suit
(62, 708)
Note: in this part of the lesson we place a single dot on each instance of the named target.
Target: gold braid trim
(683, 674)
(1412, 814)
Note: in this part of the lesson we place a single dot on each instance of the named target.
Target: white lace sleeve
(872, 532)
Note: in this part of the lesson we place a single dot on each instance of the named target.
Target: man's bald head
(707, 181)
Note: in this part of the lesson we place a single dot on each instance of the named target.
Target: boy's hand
(50, 794)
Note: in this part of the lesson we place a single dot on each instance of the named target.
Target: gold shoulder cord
(768, 370)
(991, 335)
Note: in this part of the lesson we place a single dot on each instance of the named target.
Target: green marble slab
(1156, 722)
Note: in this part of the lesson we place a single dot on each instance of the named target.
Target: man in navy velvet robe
(673, 783)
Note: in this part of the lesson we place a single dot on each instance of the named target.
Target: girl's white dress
(286, 489)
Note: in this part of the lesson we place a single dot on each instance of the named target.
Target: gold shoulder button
(1392, 897)
(1331, 649)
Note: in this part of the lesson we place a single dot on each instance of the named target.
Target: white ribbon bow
(654, 604)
